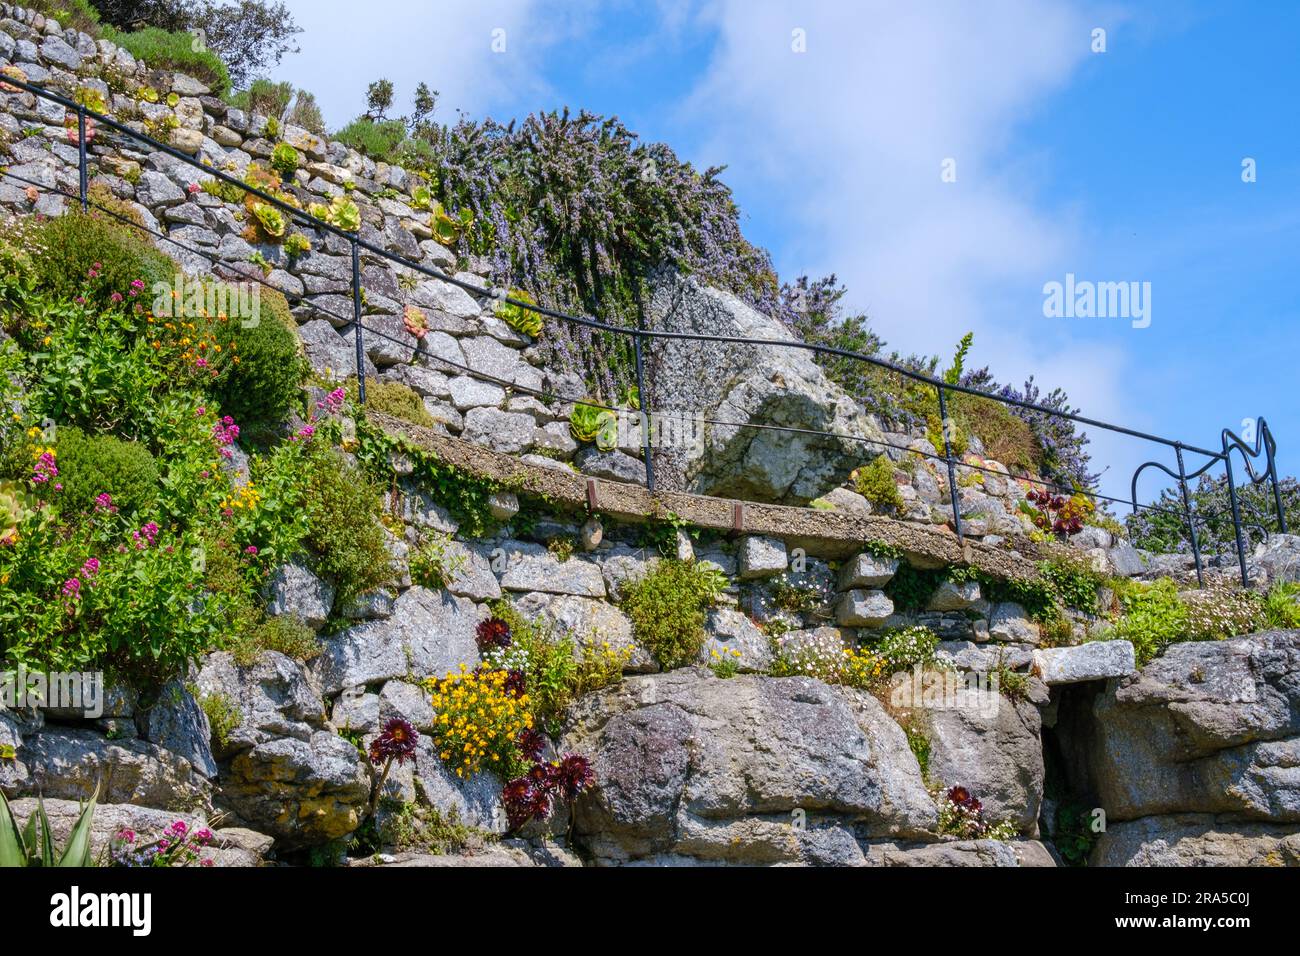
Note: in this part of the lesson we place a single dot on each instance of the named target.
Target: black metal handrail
(1265, 443)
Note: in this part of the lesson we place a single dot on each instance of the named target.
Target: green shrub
(93, 464)
(1282, 606)
(286, 634)
(261, 388)
(343, 528)
(223, 717)
(1006, 438)
(667, 608)
(378, 140)
(267, 97)
(1074, 580)
(78, 14)
(162, 50)
(69, 246)
(876, 483)
(1153, 618)
(396, 399)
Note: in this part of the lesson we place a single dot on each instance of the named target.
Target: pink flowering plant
(178, 845)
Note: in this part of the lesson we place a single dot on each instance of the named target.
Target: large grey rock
(68, 763)
(734, 637)
(863, 608)
(760, 557)
(612, 465)
(399, 699)
(156, 189)
(727, 770)
(1095, 660)
(951, 596)
(509, 432)
(294, 589)
(531, 567)
(994, 752)
(590, 623)
(473, 577)
(1009, 622)
(1210, 727)
(1196, 839)
(740, 384)
(1279, 556)
(427, 634)
(273, 697)
(178, 723)
(961, 853)
(867, 571)
(302, 792)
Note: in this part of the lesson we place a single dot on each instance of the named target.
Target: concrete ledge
(824, 534)
(1095, 660)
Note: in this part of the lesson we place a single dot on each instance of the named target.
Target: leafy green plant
(590, 423)
(270, 220)
(667, 609)
(1282, 606)
(522, 320)
(164, 50)
(434, 564)
(91, 465)
(67, 249)
(30, 847)
(1153, 618)
(343, 528)
(342, 212)
(224, 718)
(875, 482)
(396, 399)
(261, 388)
(285, 159)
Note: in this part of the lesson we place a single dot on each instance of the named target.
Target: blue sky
(1123, 165)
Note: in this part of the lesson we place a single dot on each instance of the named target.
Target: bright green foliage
(1153, 618)
(591, 423)
(396, 399)
(67, 248)
(285, 159)
(90, 465)
(667, 608)
(875, 482)
(262, 387)
(32, 847)
(1282, 606)
(163, 50)
(522, 320)
(343, 529)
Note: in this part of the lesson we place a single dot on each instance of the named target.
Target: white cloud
(848, 139)
(448, 45)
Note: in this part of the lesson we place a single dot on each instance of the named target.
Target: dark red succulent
(574, 775)
(491, 634)
(532, 744)
(396, 741)
(516, 684)
(963, 798)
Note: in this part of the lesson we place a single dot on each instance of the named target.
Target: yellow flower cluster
(862, 668)
(478, 722)
(246, 499)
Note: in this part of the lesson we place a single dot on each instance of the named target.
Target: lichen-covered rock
(995, 752)
(272, 697)
(531, 567)
(867, 571)
(951, 596)
(302, 792)
(69, 763)
(294, 589)
(1009, 622)
(590, 624)
(177, 722)
(1196, 839)
(229, 847)
(962, 853)
(740, 770)
(1210, 727)
(863, 608)
(734, 638)
(427, 634)
(739, 384)
(1094, 660)
(759, 557)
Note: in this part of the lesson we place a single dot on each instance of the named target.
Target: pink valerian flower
(116, 297)
(80, 300)
(178, 829)
(200, 363)
(104, 502)
(203, 837)
(226, 432)
(303, 433)
(44, 469)
(137, 286)
(251, 550)
(71, 588)
(200, 411)
(90, 568)
(332, 404)
(146, 536)
(192, 188)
